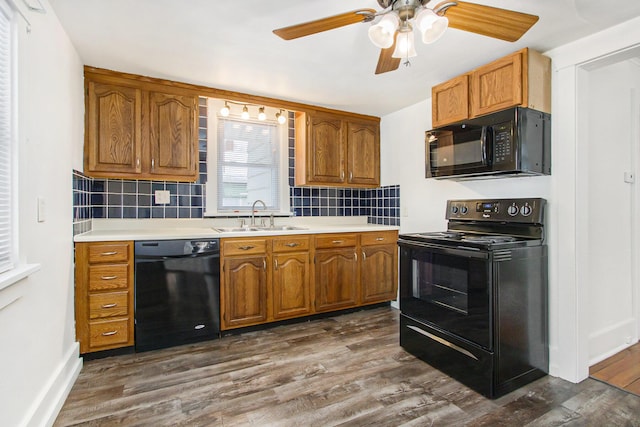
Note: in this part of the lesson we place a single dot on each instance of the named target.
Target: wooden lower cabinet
(379, 267)
(244, 281)
(290, 277)
(104, 295)
(275, 278)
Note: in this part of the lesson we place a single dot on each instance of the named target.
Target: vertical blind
(6, 121)
(248, 164)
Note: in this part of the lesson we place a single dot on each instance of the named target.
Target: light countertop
(168, 229)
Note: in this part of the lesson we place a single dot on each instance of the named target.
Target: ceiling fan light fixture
(405, 45)
(431, 25)
(382, 33)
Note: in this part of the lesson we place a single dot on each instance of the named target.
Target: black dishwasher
(177, 292)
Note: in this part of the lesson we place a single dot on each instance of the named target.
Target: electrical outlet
(163, 197)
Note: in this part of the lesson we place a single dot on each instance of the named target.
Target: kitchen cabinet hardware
(292, 244)
(109, 305)
(264, 264)
(108, 277)
(364, 256)
(109, 333)
(108, 253)
(275, 264)
(379, 239)
(355, 256)
(246, 247)
(350, 176)
(338, 242)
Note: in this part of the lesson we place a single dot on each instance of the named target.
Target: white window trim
(20, 270)
(211, 188)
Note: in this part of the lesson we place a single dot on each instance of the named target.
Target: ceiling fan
(393, 32)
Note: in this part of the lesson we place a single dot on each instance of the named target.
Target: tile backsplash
(117, 198)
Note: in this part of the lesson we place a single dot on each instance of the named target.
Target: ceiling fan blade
(488, 21)
(325, 24)
(386, 62)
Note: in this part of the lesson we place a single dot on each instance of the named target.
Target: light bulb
(245, 113)
(261, 115)
(382, 33)
(405, 45)
(224, 111)
(431, 25)
(281, 118)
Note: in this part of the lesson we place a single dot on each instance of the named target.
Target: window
(250, 163)
(7, 129)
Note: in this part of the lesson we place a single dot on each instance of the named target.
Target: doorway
(608, 202)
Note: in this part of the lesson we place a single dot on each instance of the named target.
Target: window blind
(248, 164)
(6, 133)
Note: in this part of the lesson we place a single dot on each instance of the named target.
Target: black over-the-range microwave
(516, 141)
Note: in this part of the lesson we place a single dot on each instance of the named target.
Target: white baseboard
(606, 342)
(47, 405)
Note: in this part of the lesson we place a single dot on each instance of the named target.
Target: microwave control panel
(527, 210)
(502, 143)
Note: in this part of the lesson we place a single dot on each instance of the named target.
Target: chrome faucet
(253, 211)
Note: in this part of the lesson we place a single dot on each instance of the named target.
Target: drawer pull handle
(364, 256)
(108, 277)
(246, 248)
(108, 334)
(264, 264)
(379, 239)
(337, 242)
(276, 264)
(108, 253)
(355, 254)
(113, 304)
(291, 245)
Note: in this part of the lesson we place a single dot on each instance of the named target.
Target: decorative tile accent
(81, 186)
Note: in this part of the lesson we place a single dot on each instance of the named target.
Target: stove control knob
(463, 210)
(454, 209)
(512, 210)
(525, 210)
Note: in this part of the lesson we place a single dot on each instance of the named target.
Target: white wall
(39, 357)
(423, 200)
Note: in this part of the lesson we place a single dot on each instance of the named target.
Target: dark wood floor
(346, 370)
(620, 370)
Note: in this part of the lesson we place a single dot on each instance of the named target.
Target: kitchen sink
(250, 229)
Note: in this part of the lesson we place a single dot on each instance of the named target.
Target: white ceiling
(230, 45)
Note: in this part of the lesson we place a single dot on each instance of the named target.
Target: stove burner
(443, 234)
(490, 239)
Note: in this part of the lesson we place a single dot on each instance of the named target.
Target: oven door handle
(467, 252)
(443, 341)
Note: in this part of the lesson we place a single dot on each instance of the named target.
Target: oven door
(449, 289)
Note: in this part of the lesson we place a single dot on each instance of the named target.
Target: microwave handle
(486, 142)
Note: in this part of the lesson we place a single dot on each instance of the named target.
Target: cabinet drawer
(108, 252)
(110, 304)
(336, 241)
(290, 243)
(244, 247)
(108, 333)
(378, 238)
(109, 276)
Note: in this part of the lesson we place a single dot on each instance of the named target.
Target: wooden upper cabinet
(337, 150)
(363, 153)
(138, 130)
(114, 116)
(173, 128)
(522, 78)
(450, 101)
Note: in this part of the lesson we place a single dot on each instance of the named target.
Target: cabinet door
(113, 139)
(325, 150)
(363, 153)
(290, 279)
(173, 130)
(497, 85)
(450, 101)
(244, 296)
(379, 273)
(336, 278)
